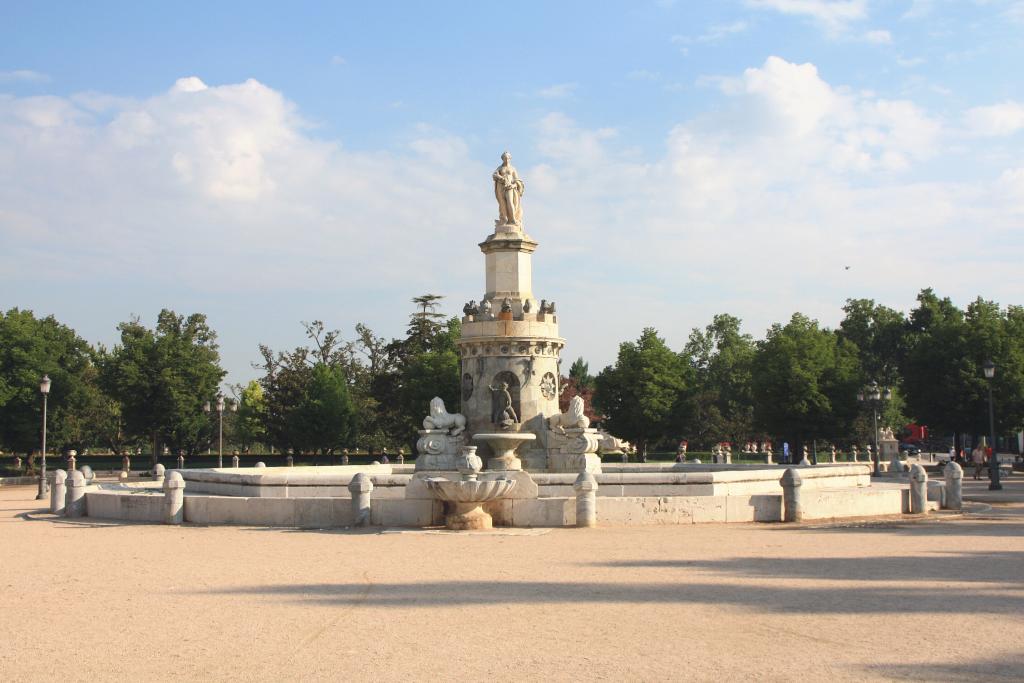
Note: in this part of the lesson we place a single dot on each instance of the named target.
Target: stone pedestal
(889, 450)
(437, 450)
(573, 450)
(518, 347)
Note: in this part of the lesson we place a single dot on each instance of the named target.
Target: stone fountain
(466, 497)
(504, 445)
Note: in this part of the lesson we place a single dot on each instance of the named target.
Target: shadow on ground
(1006, 668)
(773, 598)
(1001, 567)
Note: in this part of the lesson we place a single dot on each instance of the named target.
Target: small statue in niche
(527, 306)
(504, 413)
(506, 305)
(471, 308)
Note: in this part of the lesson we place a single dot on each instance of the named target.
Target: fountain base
(468, 517)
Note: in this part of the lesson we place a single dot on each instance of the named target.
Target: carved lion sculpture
(440, 418)
(571, 419)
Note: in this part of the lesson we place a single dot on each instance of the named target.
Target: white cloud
(910, 62)
(23, 76)
(558, 91)
(751, 208)
(643, 75)
(919, 9)
(833, 15)
(1005, 118)
(1015, 12)
(200, 174)
(878, 36)
(338, 60)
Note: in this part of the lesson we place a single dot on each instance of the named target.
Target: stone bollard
(832, 454)
(260, 464)
(74, 502)
(289, 461)
(158, 472)
(918, 490)
(344, 457)
(954, 485)
(234, 461)
(58, 492)
(853, 453)
(360, 488)
(122, 477)
(17, 462)
(805, 461)
(174, 498)
(181, 462)
(71, 460)
(88, 474)
(586, 499)
(400, 458)
(792, 507)
(625, 456)
(126, 464)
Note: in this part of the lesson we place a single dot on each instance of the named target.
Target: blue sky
(266, 164)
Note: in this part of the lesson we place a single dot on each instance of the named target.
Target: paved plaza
(941, 599)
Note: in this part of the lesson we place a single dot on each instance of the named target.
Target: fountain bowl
(465, 498)
(504, 445)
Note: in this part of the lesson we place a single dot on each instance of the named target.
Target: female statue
(508, 190)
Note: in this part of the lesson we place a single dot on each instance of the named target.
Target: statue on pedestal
(508, 190)
(440, 418)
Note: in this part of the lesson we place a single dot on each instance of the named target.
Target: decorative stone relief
(547, 385)
(467, 386)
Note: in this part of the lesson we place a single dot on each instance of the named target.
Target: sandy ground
(88, 600)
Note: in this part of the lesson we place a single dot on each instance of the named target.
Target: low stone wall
(637, 497)
(295, 482)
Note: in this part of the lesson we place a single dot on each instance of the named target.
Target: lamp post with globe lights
(44, 389)
(993, 462)
(874, 395)
(220, 425)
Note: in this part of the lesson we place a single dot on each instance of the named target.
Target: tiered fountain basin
(465, 499)
(504, 446)
(628, 494)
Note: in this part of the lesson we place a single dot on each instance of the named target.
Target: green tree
(805, 380)
(306, 402)
(248, 429)
(645, 395)
(880, 334)
(162, 377)
(943, 378)
(722, 358)
(423, 365)
(31, 347)
(579, 373)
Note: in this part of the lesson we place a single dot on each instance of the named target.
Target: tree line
(147, 393)
(798, 383)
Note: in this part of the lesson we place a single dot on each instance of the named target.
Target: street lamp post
(44, 389)
(993, 461)
(874, 395)
(220, 426)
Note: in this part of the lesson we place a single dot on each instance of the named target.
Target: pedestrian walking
(978, 458)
